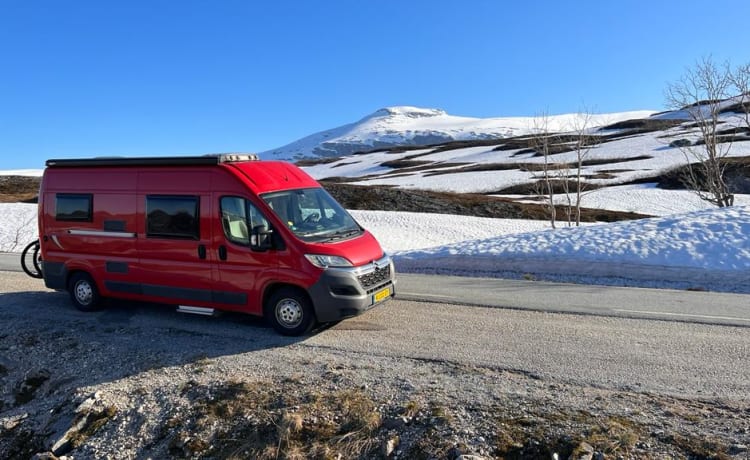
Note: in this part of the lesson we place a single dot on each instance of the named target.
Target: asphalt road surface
(662, 304)
(693, 344)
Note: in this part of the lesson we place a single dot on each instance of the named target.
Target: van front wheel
(289, 312)
(83, 292)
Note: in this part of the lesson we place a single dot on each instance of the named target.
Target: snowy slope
(398, 126)
(624, 158)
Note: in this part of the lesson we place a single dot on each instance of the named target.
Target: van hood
(359, 251)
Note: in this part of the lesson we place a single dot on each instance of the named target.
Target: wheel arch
(73, 268)
(274, 287)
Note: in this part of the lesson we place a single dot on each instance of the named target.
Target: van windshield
(313, 215)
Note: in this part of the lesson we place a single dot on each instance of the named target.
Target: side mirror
(260, 238)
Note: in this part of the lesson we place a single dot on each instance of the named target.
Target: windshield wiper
(341, 234)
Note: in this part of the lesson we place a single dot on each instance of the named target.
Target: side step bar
(196, 310)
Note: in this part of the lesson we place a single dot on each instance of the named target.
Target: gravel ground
(141, 381)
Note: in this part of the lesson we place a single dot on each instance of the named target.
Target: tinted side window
(173, 216)
(74, 207)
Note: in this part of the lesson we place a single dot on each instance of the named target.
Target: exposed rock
(30, 384)
(679, 143)
(390, 446)
(584, 451)
(45, 456)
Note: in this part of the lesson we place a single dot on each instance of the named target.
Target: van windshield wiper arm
(341, 234)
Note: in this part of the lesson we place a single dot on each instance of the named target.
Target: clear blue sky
(90, 78)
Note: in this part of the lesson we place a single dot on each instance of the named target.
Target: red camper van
(220, 232)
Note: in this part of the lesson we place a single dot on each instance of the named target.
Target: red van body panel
(157, 230)
(270, 176)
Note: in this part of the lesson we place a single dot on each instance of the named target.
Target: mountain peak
(406, 111)
(408, 125)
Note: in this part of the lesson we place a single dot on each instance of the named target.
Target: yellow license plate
(381, 295)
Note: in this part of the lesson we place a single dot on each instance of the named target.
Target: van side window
(238, 217)
(74, 207)
(173, 216)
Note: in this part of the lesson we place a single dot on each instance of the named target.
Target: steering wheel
(312, 218)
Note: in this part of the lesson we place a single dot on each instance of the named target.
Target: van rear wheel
(289, 311)
(83, 292)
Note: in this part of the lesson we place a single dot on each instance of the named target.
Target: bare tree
(740, 78)
(701, 92)
(563, 173)
(584, 141)
(540, 141)
(561, 184)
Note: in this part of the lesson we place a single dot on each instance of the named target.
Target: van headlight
(325, 261)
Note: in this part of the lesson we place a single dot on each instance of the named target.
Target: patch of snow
(648, 199)
(18, 226)
(403, 231)
(22, 172)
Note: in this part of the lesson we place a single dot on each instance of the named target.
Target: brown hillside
(14, 189)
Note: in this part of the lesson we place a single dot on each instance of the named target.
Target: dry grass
(90, 423)
(15, 189)
(615, 435)
(267, 421)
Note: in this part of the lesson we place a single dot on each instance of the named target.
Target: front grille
(374, 277)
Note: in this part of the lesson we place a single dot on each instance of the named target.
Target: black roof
(151, 161)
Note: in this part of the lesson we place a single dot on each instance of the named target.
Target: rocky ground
(141, 381)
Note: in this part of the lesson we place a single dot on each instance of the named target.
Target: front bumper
(345, 292)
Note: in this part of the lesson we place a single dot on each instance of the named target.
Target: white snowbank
(17, 226)
(706, 249)
(22, 172)
(403, 231)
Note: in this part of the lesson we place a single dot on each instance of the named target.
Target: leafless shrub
(564, 178)
(585, 141)
(541, 142)
(701, 93)
(740, 80)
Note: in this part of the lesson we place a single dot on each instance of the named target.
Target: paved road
(686, 359)
(663, 304)
(10, 262)
(667, 357)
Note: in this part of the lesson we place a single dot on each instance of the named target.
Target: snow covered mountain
(629, 157)
(404, 125)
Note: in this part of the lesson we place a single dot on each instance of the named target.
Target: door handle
(222, 252)
(201, 251)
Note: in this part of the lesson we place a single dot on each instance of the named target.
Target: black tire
(83, 292)
(31, 267)
(290, 312)
(38, 259)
